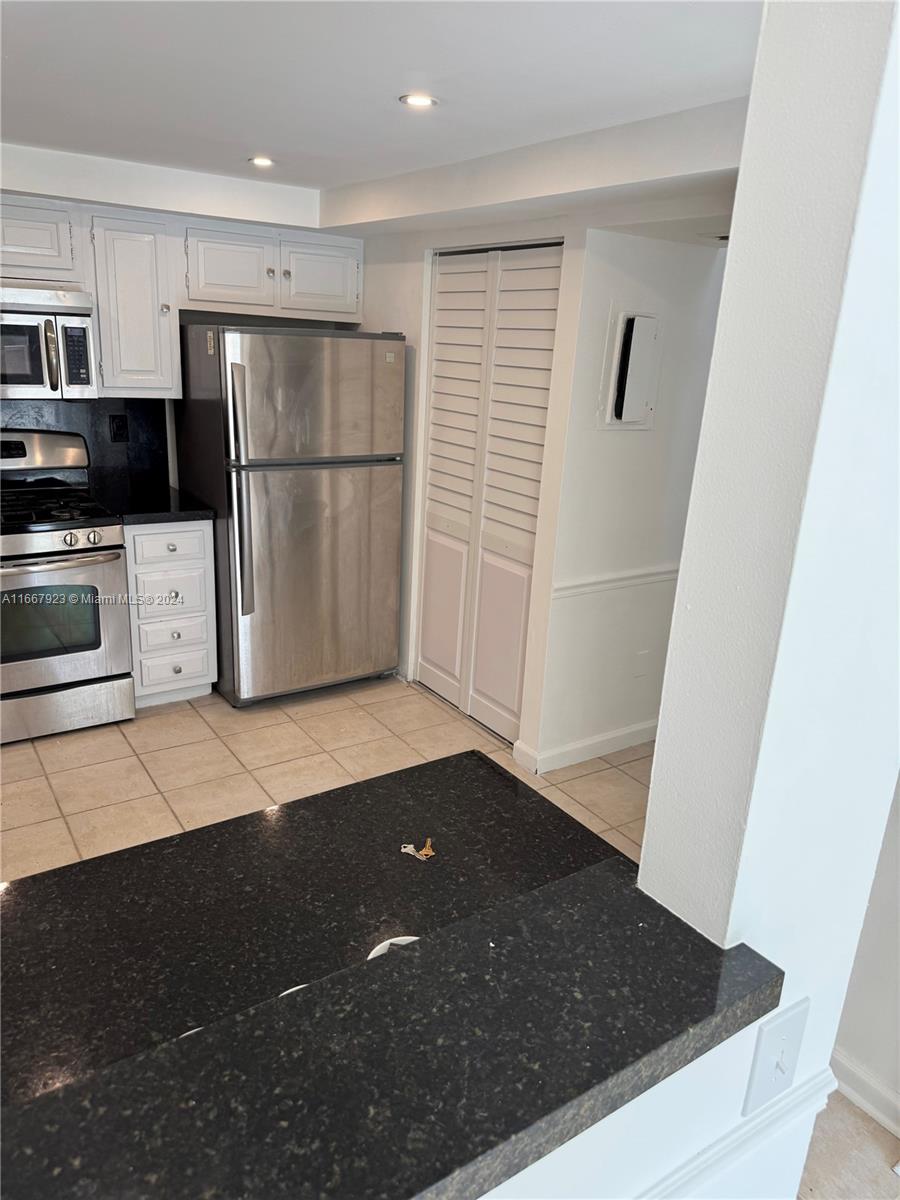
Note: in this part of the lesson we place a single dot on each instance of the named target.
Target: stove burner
(28, 504)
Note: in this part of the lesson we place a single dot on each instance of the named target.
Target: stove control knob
(70, 539)
(95, 537)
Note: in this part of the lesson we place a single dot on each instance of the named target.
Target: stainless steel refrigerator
(295, 438)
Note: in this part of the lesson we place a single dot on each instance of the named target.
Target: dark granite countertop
(546, 991)
(107, 957)
(145, 498)
(159, 507)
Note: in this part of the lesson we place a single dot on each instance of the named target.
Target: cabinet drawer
(172, 635)
(176, 670)
(172, 594)
(151, 548)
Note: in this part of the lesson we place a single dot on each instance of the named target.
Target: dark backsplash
(142, 456)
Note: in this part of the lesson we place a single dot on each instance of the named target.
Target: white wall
(695, 142)
(823, 757)
(33, 170)
(815, 87)
(866, 1056)
(623, 501)
(395, 294)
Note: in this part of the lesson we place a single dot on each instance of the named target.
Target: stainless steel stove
(65, 646)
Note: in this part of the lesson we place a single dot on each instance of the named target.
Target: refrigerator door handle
(239, 411)
(243, 543)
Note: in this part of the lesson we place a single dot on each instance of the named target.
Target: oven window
(20, 355)
(39, 622)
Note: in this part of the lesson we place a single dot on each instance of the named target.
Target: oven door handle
(52, 354)
(42, 566)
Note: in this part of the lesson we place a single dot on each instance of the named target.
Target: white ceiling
(204, 85)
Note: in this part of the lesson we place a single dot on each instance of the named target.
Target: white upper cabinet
(230, 268)
(36, 242)
(137, 320)
(319, 276)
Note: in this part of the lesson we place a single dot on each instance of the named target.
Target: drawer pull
(172, 547)
(176, 635)
(174, 594)
(177, 670)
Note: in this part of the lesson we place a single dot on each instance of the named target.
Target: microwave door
(29, 357)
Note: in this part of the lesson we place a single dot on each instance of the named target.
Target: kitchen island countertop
(439, 1069)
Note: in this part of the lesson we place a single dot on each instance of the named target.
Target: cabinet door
(321, 276)
(137, 333)
(230, 268)
(36, 238)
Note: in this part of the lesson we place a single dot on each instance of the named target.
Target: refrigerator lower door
(315, 576)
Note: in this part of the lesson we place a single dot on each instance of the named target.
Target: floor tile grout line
(111, 804)
(178, 821)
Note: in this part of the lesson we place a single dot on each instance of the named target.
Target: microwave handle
(52, 354)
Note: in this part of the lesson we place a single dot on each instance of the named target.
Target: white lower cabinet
(173, 618)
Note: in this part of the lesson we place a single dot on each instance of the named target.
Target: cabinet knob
(165, 308)
(286, 273)
(176, 635)
(270, 271)
(177, 670)
(174, 594)
(172, 547)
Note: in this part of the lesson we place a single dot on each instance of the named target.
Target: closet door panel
(459, 328)
(494, 317)
(499, 659)
(443, 608)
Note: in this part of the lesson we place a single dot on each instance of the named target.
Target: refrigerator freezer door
(301, 397)
(315, 565)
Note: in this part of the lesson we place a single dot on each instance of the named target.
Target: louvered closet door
(492, 349)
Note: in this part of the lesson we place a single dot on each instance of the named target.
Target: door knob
(171, 547)
(164, 309)
(176, 636)
(270, 271)
(177, 670)
(286, 273)
(174, 594)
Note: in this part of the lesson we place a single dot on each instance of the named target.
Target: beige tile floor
(850, 1156)
(183, 765)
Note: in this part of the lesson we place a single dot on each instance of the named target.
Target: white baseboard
(694, 1175)
(862, 1088)
(525, 756)
(576, 752)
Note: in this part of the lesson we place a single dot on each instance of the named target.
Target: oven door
(29, 357)
(63, 620)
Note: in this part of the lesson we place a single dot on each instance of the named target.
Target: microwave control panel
(78, 366)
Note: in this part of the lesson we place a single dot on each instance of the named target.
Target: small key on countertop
(409, 848)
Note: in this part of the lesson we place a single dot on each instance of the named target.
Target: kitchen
(343, 492)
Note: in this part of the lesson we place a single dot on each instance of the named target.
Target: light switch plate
(775, 1059)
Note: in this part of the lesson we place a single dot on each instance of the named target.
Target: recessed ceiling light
(261, 160)
(418, 100)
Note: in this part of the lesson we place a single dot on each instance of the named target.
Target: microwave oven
(46, 344)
